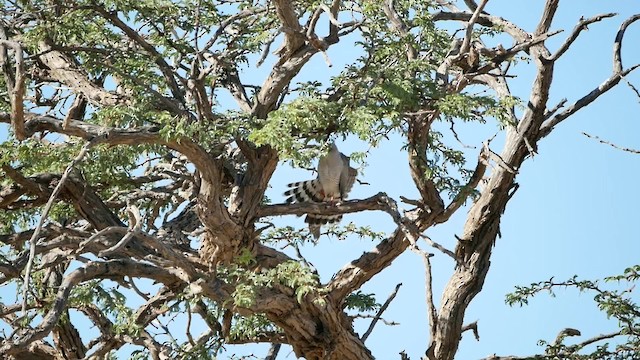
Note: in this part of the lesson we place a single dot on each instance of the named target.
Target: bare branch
(617, 44)
(473, 327)
(442, 249)
(582, 25)
(380, 312)
(633, 151)
(549, 113)
(432, 313)
(547, 126)
(273, 352)
(45, 213)
(376, 202)
(548, 13)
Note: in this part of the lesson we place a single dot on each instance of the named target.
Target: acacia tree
(125, 162)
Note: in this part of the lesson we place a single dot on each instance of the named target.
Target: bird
(335, 180)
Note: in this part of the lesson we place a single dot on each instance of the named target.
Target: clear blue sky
(575, 212)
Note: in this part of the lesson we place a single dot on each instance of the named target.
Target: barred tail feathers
(316, 221)
(304, 191)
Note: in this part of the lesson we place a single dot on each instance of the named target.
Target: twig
(633, 151)
(635, 90)
(553, 110)
(379, 313)
(45, 213)
(443, 249)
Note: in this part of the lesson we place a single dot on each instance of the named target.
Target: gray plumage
(335, 180)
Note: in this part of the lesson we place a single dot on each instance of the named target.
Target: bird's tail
(304, 191)
(311, 191)
(315, 221)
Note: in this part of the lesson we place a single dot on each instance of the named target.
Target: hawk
(335, 180)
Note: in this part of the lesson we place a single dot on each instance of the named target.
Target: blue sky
(575, 211)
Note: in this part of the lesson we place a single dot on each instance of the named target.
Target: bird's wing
(347, 177)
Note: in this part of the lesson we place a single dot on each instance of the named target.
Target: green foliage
(111, 302)
(290, 128)
(248, 283)
(251, 327)
(361, 301)
(362, 232)
(613, 296)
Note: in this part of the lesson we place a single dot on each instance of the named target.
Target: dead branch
(587, 99)
(617, 44)
(548, 13)
(442, 249)
(633, 151)
(473, 327)
(577, 30)
(378, 315)
(45, 213)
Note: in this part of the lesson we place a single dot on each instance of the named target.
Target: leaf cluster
(291, 274)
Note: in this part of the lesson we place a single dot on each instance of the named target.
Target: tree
(132, 190)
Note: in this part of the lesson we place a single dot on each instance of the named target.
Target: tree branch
(582, 25)
(633, 151)
(64, 70)
(90, 271)
(376, 202)
(613, 80)
(165, 69)
(384, 307)
(15, 86)
(45, 213)
(548, 13)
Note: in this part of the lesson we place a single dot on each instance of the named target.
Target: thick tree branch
(617, 44)
(15, 84)
(65, 70)
(548, 13)
(376, 202)
(293, 33)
